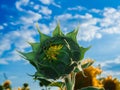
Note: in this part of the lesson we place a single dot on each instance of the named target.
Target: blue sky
(99, 22)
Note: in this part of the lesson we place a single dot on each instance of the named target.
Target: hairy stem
(70, 81)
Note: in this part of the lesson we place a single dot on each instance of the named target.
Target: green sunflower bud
(55, 56)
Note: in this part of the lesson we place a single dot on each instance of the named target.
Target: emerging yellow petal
(53, 51)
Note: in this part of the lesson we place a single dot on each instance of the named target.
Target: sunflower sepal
(35, 46)
(43, 37)
(73, 34)
(83, 51)
(57, 31)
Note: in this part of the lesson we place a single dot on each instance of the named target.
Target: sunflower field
(59, 62)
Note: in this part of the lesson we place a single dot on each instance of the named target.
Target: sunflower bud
(55, 56)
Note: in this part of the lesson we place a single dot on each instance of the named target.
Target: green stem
(70, 81)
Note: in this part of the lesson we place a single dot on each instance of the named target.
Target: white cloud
(110, 67)
(32, 3)
(107, 62)
(80, 8)
(95, 10)
(45, 10)
(1, 27)
(5, 45)
(3, 61)
(15, 40)
(88, 28)
(110, 23)
(44, 29)
(21, 3)
(92, 27)
(114, 74)
(46, 1)
(31, 18)
(64, 17)
(57, 5)
(5, 24)
(37, 7)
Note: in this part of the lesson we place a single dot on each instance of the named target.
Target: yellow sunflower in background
(7, 85)
(89, 78)
(111, 84)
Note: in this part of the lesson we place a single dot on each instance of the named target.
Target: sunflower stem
(70, 81)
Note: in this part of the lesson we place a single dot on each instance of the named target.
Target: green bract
(55, 56)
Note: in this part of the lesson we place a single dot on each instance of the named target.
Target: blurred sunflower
(89, 79)
(7, 85)
(111, 84)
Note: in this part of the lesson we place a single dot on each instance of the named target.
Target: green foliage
(92, 88)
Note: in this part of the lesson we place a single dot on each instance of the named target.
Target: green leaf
(58, 84)
(44, 82)
(92, 88)
(35, 46)
(87, 64)
(83, 51)
(43, 37)
(57, 31)
(73, 34)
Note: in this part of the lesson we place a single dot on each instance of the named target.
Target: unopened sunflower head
(110, 83)
(88, 79)
(55, 56)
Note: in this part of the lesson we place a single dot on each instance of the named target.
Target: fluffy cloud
(48, 2)
(95, 10)
(21, 3)
(1, 27)
(110, 67)
(115, 74)
(45, 10)
(77, 8)
(3, 61)
(88, 28)
(32, 17)
(110, 22)
(92, 27)
(15, 40)
(110, 63)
